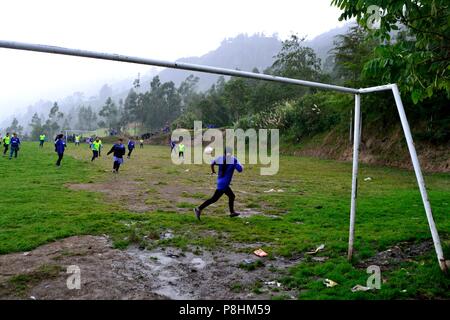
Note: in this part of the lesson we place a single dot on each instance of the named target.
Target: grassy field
(40, 203)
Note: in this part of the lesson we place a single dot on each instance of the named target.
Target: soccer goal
(236, 73)
(69, 134)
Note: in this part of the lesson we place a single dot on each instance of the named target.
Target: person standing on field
(15, 146)
(95, 146)
(131, 145)
(6, 142)
(100, 147)
(77, 140)
(60, 146)
(141, 143)
(181, 148)
(41, 140)
(227, 164)
(118, 151)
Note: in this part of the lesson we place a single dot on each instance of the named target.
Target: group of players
(96, 145)
(11, 143)
(226, 163)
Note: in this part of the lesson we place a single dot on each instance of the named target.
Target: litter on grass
(273, 283)
(360, 288)
(167, 235)
(260, 253)
(368, 179)
(273, 190)
(248, 261)
(318, 249)
(329, 283)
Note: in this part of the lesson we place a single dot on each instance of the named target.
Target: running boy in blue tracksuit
(131, 145)
(60, 146)
(227, 164)
(172, 145)
(118, 151)
(14, 145)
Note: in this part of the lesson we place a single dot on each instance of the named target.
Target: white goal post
(80, 132)
(237, 73)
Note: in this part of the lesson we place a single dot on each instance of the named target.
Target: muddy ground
(402, 252)
(164, 273)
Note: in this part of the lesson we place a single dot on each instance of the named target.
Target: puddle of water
(171, 293)
(198, 263)
(187, 276)
(169, 275)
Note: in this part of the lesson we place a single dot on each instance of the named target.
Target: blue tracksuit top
(15, 142)
(60, 146)
(227, 165)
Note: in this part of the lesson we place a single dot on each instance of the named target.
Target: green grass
(19, 284)
(36, 207)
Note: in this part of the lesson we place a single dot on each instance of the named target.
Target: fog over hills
(246, 53)
(243, 52)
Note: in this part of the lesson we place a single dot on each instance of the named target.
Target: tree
(15, 127)
(105, 92)
(350, 53)
(110, 113)
(66, 124)
(419, 59)
(297, 61)
(36, 127)
(54, 117)
(187, 90)
(156, 107)
(130, 106)
(87, 118)
(236, 96)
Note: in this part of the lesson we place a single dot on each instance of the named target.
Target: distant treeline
(406, 50)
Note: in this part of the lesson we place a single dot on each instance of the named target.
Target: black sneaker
(234, 214)
(197, 213)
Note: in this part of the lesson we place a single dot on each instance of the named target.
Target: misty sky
(168, 29)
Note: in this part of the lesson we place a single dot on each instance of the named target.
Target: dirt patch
(163, 273)
(403, 252)
(129, 193)
(106, 273)
(139, 196)
(149, 195)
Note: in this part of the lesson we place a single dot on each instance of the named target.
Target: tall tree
(36, 126)
(419, 61)
(187, 90)
(236, 95)
(54, 117)
(15, 127)
(87, 118)
(105, 92)
(130, 106)
(110, 114)
(350, 53)
(297, 61)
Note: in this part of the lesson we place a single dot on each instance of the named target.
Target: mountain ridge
(242, 52)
